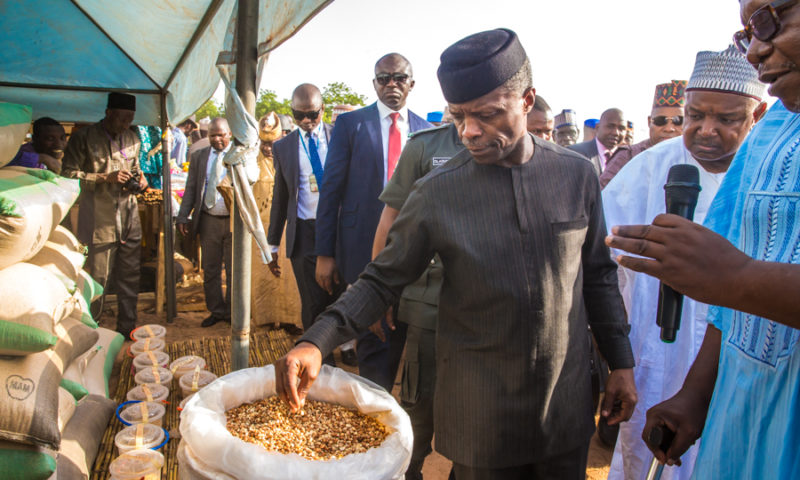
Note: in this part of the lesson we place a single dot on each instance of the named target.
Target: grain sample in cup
(144, 412)
(154, 375)
(187, 364)
(137, 465)
(150, 358)
(192, 382)
(148, 392)
(139, 436)
(147, 344)
(149, 331)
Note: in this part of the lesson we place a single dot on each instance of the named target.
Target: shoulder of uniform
(428, 131)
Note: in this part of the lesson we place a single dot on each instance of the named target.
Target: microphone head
(683, 185)
(683, 173)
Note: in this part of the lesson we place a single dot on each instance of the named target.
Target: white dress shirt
(386, 123)
(306, 199)
(214, 157)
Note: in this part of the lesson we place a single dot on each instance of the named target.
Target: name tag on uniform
(312, 183)
(437, 161)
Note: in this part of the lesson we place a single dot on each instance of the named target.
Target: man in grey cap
(723, 101)
(518, 225)
(105, 157)
(566, 128)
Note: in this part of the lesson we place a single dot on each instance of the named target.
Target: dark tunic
(525, 268)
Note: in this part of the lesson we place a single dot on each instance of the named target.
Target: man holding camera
(104, 156)
(210, 219)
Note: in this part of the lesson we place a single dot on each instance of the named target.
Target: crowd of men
(484, 246)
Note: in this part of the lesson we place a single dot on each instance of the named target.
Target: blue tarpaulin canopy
(62, 57)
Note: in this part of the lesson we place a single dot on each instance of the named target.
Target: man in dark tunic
(518, 224)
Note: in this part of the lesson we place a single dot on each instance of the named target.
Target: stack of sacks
(45, 325)
(15, 121)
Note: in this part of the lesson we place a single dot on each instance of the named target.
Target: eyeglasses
(662, 120)
(764, 24)
(299, 116)
(385, 78)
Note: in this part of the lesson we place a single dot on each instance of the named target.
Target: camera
(132, 185)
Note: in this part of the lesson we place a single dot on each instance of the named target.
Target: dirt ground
(191, 311)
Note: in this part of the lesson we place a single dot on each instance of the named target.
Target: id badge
(312, 183)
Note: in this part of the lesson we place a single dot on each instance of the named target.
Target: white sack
(32, 203)
(203, 421)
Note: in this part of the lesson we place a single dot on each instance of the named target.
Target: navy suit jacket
(589, 150)
(284, 192)
(349, 208)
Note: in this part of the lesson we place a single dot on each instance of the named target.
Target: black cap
(121, 101)
(479, 63)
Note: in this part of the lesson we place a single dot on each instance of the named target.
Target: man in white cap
(566, 128)
(513, 387)
(723, 101)
(742, 390)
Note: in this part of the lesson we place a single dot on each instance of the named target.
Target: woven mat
(265, 348)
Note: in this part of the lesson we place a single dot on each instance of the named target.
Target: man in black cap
(518, 224)
(105, 157)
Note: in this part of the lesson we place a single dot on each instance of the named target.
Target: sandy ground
(191, 311)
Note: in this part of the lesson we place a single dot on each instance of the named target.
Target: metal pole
(246, 65)
(166, 190)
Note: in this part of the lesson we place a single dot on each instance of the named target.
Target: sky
(588, 55)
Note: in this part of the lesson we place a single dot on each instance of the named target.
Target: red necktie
(394, 145)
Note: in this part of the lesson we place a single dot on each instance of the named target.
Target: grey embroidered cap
(726, 71)
(566, 117)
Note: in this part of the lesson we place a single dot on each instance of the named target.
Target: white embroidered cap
(726, 71)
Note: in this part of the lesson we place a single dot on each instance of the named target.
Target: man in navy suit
(608, 142)
(362, 155)
(300, 161)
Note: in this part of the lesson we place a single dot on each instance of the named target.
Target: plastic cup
(191, 382)
(158, 392)
(153, 358)
(144, 412)
(151, 344)
(140, 436)
(152, 331)
(154, 375)
(183, 365)
(137, 465)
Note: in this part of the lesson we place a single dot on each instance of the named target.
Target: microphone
(680, 193)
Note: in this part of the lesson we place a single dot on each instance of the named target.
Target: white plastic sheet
(203, 421)
(242, 162)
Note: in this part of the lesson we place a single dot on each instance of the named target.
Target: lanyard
(305, 147)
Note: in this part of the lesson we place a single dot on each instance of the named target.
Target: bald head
(612, 128)
(219, 133)
(393, 80)
(219, 123)
(306, 93)
(394, 59)
(307, 106)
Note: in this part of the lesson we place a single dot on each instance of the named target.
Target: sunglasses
(662, 120)
(764, 24)
(299, 116)
(385, 78)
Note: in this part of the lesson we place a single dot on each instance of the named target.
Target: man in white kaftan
(634, 197)
(723, 101)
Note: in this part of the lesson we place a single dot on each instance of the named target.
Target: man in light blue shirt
(210, 219)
